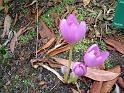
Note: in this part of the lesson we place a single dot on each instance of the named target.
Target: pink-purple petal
(72, 19)
(93, 47)
(103, 56)
(71, 30)
(79, 68)
(90, 59)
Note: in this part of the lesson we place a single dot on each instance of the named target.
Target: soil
(18, 76)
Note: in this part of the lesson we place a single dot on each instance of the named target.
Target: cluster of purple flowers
(72, 32)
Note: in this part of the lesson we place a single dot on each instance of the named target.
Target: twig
(52, 70)
(37, 28)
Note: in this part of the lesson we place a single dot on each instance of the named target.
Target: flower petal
(80, 32)
(103, 56)
(90, 60)
(64, 29)
(72, 19)
(79, 68)
(93, 47)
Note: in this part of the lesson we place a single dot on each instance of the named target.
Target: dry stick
(53, 71)
(37, 28)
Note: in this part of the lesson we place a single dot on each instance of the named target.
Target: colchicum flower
(94, 57)
(79, 69)
(71, 30)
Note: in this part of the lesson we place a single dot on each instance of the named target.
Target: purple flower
(71, 30)
(94, 57)
(79, 69)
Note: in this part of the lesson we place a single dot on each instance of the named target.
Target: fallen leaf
(49, 33)
(107, 86)
(121, 82)
(54, 65)
(47, 45)
(14, 39)
(34, 62)
(110, 47)
(55, 51)
(7, 23)
(100, 75)
(86, 2)
(96, 87)
(61, 61)
(121, 38)
(116, 44)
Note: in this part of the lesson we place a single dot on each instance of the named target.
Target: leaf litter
(116, 44)
(7, 24)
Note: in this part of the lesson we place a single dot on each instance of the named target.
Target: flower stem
(66, 75)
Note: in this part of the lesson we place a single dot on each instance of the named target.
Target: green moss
(26, 37)
(102, 45)
(108, 63)
(46, 17)
(83, 45)
(86, 13)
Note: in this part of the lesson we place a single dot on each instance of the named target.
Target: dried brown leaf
(55, 65)
(14, 39)
(96, 87)
(7, 24)
(110, 47)
(86, 2)
(107, 86)
(55, 51)
(49, 33)
(47, 45)
(61, 61)
(100, 75)
(34, 62)
(116, 44)
(121, 82)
